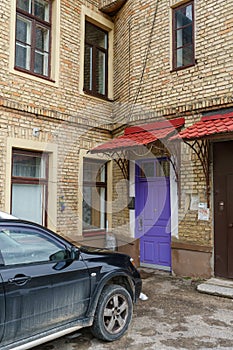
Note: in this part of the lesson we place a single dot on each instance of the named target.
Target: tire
(113, 313)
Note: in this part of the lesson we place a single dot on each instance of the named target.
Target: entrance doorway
(223, 208)
(152, 209)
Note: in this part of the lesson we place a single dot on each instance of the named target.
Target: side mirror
(64, 258)
(74, 254)
(59, 256)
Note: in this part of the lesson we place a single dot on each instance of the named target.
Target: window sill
(33, 77)
(96, 96)
(94, 233)
(40, 76)
(182, 68)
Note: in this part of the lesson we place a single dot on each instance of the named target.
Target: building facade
(116, 126)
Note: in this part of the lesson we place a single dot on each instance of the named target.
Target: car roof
(4, 215)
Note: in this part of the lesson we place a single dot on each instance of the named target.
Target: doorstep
(217, 286)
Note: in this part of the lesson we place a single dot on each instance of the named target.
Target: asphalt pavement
(175, 316)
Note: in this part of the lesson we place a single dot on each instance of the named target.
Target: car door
(40, 294)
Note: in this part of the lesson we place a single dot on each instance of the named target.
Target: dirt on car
(175, 316)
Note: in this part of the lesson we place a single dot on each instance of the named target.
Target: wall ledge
(179, 245)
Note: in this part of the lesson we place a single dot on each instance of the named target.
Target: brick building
(116, 117)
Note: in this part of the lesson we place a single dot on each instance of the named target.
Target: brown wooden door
(223, 208)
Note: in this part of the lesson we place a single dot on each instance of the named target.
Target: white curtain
(27, 202)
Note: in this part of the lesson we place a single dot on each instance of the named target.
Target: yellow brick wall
(164, 92)
(64, 98)
(67, 118)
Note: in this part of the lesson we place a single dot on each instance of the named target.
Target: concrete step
(217, 286)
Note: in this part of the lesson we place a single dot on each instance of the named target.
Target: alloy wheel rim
(116, 313)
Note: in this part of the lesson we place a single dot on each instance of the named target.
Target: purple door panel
(152, 208)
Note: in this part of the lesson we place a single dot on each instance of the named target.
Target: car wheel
(113, 313)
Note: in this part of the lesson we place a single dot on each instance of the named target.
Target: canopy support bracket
(202, 150)
(119, 157)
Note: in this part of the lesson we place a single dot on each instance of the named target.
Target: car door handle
(19, 279)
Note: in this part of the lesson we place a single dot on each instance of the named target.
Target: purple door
(152, 208)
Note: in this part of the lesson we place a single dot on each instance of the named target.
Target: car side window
(25, 246)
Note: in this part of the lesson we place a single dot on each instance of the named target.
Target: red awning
(208, 126)
(141, 135)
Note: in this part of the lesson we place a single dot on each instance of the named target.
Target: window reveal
(33, 28)
(183, 36)
(29, 185)
(95, 60)
(94, 195)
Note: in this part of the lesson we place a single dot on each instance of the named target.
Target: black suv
(49, 287)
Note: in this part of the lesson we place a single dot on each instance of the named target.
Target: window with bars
(96, 61)
(183, 36)
(33, 32)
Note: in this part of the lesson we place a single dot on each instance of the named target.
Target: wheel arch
(120, 279)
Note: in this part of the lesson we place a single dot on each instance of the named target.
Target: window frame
(32, 180)
(99, 184)
(174, 31)
(35, 21)
(160, 167)
(95, 48)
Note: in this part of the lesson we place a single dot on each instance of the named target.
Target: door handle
(19, 280)
(221, 206)
(230, 225)
(140, 223)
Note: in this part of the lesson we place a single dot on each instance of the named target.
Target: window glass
(23, 246)
(96, 36)
(33, 200)
(94, 171)
(41, 52)
(88, 68)
(29, 185)
(94, 208)
(24, 5)
(23, 37)
(147, 169)
(23, 30)
(184, 56)
(95, 60)
(100, 72)
(154, 168)
(184, 16)
(183, 36)
(163, 168)
(28, 165)
(94, 195)
(32, 45)
(42, 38)
(41, 10)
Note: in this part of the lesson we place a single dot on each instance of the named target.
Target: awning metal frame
(201, 147)
(176, 164)
(121, 159)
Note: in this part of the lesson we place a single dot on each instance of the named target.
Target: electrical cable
(146, 59)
